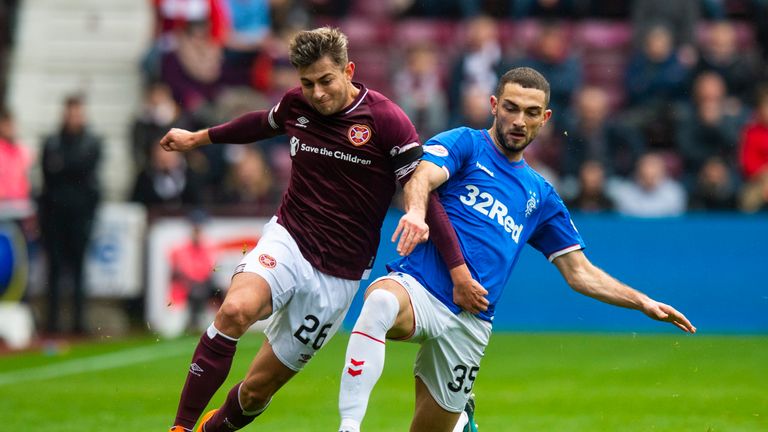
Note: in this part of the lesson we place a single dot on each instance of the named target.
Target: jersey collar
(358, 99)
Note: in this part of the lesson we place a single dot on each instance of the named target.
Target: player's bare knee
(233, 319)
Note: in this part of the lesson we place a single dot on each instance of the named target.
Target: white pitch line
(97, 363)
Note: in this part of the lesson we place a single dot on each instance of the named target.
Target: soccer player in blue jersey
(496, 203)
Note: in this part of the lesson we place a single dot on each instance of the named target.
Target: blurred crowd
(660, 106)
(660, 111)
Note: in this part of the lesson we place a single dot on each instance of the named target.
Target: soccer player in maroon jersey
(349, 146)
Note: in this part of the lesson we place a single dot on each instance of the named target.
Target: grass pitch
(527, 382)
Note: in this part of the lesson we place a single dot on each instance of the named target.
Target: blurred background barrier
(713, 267)
(171, 285)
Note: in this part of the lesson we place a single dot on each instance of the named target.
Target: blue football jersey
(496, 206)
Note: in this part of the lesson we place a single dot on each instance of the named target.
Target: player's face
(327, 86)
(518, 115)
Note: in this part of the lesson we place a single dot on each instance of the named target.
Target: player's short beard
(510, 147)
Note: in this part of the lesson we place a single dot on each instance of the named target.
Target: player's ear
(547, 115)
(349, 70)
(494, 105)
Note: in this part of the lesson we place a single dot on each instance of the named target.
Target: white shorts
(307, 306)
(451, 345)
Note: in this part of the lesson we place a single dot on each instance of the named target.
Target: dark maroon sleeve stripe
(245, 129)
(442, 233)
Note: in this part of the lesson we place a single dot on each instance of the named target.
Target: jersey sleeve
(398, 137)
(556, 234)
(449, 150)
(253, 126)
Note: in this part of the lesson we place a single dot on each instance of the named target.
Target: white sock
(463, 420)
(365, 357)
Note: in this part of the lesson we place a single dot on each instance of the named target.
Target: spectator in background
(8, 10)
(282, 77)
(588, 132)
(171, 19)
(439, 8)
(15, 161)
(474, 108)
(250, 32)
(591, 196)
(551, 55)
(715, 188)
(249, 185)
(654, 72)
(753, 156)
(192, 267)
(478, 65)
(158, 113)
(548, 8)
(166, 183)
(759, 15)
(193, 69)
(173, 15)
(419, 90)
(655, 80)
(709, 126)
(738, 66)
(334, 8)
(67, 207)
(652, 193)
(678, 16)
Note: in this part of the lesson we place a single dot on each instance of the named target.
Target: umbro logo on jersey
(487, 171)
(196, 370)
(302, 122)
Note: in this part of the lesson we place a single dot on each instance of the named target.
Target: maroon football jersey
(343, 174)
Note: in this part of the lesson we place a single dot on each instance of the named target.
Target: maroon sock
(230, 416)
(210, 366)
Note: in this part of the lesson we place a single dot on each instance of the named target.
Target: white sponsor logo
(481, 201)
(436, 150)
(297, 146)
(487, 171)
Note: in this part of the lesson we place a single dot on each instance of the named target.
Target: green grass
(527, 382)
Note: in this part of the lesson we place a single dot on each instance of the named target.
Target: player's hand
(180, 140)
(412, 230)
(470, 296)
(664, 312)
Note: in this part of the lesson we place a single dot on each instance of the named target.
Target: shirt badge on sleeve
(436, 150)
(359, 134)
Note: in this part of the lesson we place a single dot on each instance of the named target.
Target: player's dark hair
(309, 46)
(527, 78)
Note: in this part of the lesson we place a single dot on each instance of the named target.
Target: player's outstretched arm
(184, 140)
(412, 228)
(586, 278)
